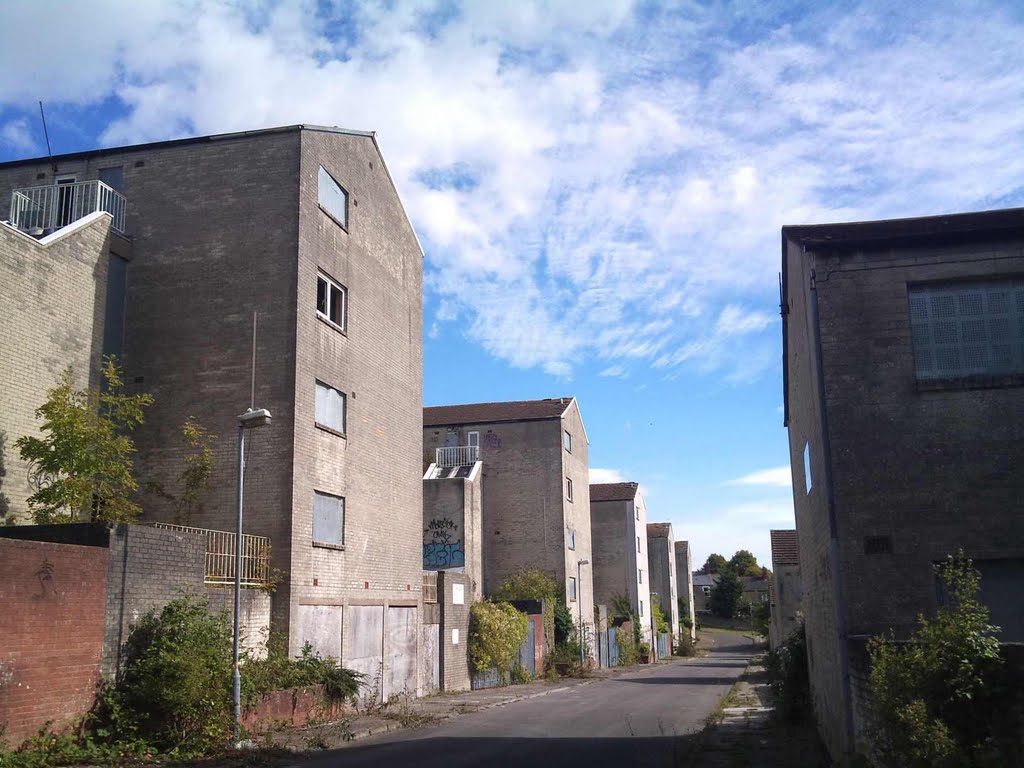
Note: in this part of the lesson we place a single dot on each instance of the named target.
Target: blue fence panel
(527, 651)
(663, 649)
(613, 648)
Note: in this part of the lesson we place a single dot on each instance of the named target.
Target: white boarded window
(570, 537)
(330, 407)
(568, 442)
(331, 300)
(967, 329)
(572, 589)
(807, 467)
(568, 488)
(332, 197)
(328, 519)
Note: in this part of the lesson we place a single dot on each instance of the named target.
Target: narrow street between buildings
(643, 717)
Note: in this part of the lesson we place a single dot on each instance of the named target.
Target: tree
(496, 630)
(195, 475)
(527, 584)
(714, 564)
(726, 594)
(82, 466)
(743, 563)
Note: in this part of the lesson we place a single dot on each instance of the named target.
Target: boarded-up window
(968, 329)
(332, 197)
(328, 519)
(572, 588)
(330, 407)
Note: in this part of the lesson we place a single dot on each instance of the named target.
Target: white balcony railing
(220, 555)
(457, 455)
(41, 210)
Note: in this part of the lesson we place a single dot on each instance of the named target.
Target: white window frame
(330, 282)
(640, 575)
(567, 441)
(637, 543)
(343, 222)
(342, 431)
(328, 544)
(641, 607)
(570, 537)
(568, 488)
(573, 591)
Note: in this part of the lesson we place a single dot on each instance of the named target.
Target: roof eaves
(572, 402)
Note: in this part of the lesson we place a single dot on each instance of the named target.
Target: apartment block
(535, 494)
(296, 237)
(684, 585)
(903, 365)
(618, 526)
(661, 558)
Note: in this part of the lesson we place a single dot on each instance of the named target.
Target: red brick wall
(52, 599)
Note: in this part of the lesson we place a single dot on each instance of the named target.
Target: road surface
(641, 718)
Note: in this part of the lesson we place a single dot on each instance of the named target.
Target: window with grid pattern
(967, 329)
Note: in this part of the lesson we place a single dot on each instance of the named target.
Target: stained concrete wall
(364, 648)
(661, 553)
(618, 561)
(453, 526)
(787, 593)
(684, 584)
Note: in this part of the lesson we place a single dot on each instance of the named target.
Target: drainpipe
(839, 596)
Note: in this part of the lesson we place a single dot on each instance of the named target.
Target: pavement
(647, 715)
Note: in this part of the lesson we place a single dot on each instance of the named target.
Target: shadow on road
(679, 680)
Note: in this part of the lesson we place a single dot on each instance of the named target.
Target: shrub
(762, 618)
(939, 699)
(496, 631)
(660, 622)
(527, 584)
(565, 627)
(276, 672)
(726, 594)
(629, 648)
(789, 677)
(686, 646)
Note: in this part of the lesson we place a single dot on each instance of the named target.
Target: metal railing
(457, 455)
(220, 555)
(430, 586)
(45, 209)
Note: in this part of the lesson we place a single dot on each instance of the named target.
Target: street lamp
(579, 599)
(251, 419)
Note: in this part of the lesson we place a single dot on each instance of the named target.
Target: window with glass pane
(572, 588)
(571, 537)
(568, 442)
(967, 329)
(332, 197)
(330, 300)
(568, 488)
(330, 407)
(328, 519)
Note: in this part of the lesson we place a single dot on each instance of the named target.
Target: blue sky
(599, 186)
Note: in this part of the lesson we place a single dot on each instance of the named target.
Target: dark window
(877, 545)
(331, 300)
(968, 329)
(113, 177)
(332, 197)
(330, 407)
(328, 519)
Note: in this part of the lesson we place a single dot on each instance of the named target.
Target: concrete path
(637, 718)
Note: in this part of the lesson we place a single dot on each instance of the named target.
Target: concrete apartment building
(903, 365)
(453, 515)
(661, 558)
(618, 525)
(684, 584)
(786, 589)
(535, 494)
(302, 225)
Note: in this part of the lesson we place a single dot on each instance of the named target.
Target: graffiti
(45, 576)
(443, 555)
(440, 531)
(490, 440)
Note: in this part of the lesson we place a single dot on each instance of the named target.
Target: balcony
(456, 456)
(42, 210)
(220, 555)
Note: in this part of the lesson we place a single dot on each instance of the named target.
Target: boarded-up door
(400, 666)
(364, 647)
(527, 651)
(320, 626)
(430, 659)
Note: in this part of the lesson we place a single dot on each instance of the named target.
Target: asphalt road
(641, 718)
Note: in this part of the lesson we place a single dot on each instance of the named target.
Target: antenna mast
(46, 133)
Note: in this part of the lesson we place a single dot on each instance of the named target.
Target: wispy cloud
(779, 477)
(16, 134)
(596, 184)
(606, 476)
(615, 372)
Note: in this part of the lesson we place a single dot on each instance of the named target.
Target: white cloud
(16, 134)
(630, 171)
(606, 476)
(780, 477)
(615, 372)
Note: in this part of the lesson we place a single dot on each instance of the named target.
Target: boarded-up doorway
(400, 669)
(364, 647)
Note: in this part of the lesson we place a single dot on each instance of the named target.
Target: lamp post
(579, 599)
(251, 419)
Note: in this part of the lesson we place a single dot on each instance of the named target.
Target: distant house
(755, 590)
(786, 588)
(618, 524)
(684, 584)
(903, 355)
(702, 584)
(661, 558)
(534, 489)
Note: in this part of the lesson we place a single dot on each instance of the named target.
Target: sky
(598, 186)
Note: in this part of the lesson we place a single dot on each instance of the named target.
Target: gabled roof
(613, 491)
(785, 547)
(659, 530)
(491, 413)
(705, 579)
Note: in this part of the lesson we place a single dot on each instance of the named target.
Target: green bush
(660, 622)
(940, 698)
(565, 627)
(277, 672)
(762, 618)
(726, 595)
(527, 584)
(629, 648)
(789, 678)
(685, 646)
(496, 631)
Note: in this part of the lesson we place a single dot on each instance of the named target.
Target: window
(637, 543)
(330, 408)
(706, 590)
(113, 177)
(967, 329)
(570, 537)
(328, 520)
(637, 509)
(807, 467)
(474, 445)
(331, 300)
(641, 607)
(640, 575)
(568, 442)
(568, 488)
(332, 197)
(572, 589)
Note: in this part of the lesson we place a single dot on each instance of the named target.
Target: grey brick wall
(454, 619)
(52, 300)
(684, 583)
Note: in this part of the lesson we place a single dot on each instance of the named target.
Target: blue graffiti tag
(443, 555)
